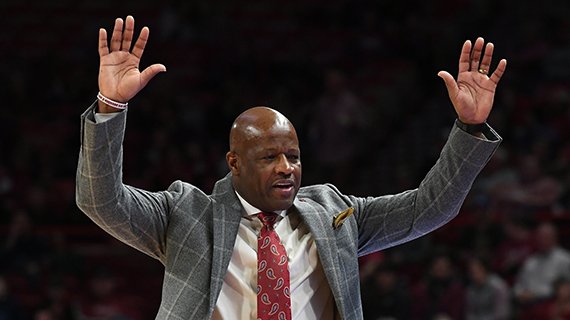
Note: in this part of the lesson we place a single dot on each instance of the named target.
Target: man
(541, 270)
(488, 295)
(212, 246)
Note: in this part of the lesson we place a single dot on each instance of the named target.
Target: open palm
(119, 75)
(473, 93)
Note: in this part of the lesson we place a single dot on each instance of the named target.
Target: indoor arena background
(358, 80)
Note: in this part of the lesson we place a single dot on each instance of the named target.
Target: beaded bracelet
(112, 103)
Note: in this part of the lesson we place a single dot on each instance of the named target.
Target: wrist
(106, 105)
(474, 129)
(103, 108)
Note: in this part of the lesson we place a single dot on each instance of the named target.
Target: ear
(232, 159)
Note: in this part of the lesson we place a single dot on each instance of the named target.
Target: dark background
(361, 74)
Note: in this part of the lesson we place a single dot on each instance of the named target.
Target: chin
(282, 205)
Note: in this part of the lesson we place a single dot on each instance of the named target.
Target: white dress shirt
(540, 272)
(311, 297)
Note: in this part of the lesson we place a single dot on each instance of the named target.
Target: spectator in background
(22, 249)
(441, 295)
(488, 296)
(548, 264)
(516, 246)
(557, 308)
(532, 190)
(57, 301)
(104, 301)
(385, 296)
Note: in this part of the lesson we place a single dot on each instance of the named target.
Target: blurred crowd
(358, 80)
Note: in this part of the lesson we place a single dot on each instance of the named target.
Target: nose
(283, 165)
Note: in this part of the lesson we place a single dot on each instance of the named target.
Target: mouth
(284, 187)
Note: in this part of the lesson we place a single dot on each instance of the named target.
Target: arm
(387, 221)
(390, 220)
(134, 216)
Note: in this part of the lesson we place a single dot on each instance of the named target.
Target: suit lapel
(320, 225)
(227, 212)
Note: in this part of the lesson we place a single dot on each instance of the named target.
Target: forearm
(390, 220)
(443, 190)
(99, 171)
(134, 216)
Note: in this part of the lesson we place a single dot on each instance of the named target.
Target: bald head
(255, 123)
(264, 159)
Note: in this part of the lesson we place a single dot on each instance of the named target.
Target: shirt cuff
(102, 117)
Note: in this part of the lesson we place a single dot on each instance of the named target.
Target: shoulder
(179, 187)
(323, 194)
(319, 190)
(222, 193)
(184, 192)
(222, 187)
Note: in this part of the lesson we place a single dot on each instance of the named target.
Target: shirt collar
(251, 210)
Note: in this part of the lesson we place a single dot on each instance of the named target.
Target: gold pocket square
(338, 220)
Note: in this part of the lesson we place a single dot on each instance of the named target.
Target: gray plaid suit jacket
(192, 234)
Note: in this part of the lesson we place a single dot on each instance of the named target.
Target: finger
(117, 35)
(141, 42)
(150, 72)
(464, 57)
(498, 73)
(103, 47)
(476, 54)
(450, 83)
(128, 33)
(487, 57)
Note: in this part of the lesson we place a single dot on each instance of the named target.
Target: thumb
(150, 72)
(449, 83)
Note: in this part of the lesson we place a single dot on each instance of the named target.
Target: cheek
(264, 177)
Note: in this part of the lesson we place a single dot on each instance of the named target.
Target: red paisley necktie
(273, 296)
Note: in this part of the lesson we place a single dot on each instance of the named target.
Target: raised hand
(119, 75)
(473, 93)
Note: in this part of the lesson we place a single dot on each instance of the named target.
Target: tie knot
(267, 218)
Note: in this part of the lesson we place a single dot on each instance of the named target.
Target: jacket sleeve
(136, 217)
(390, 220)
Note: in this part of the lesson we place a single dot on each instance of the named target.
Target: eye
(293, 157)
(269, 157)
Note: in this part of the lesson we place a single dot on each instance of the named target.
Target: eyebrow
(271, 150)
(277, 149)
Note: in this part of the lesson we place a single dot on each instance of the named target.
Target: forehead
(274, 138)
(259, 123)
